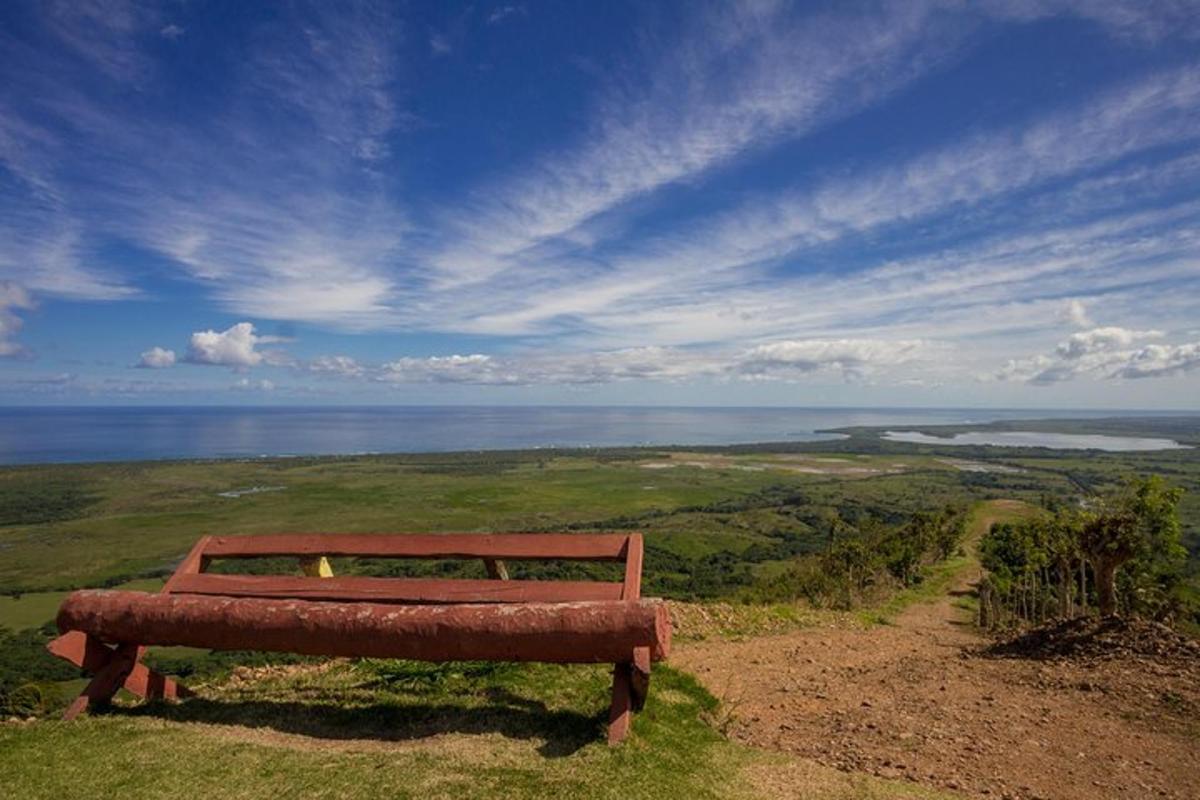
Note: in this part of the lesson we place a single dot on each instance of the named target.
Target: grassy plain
(716, 520)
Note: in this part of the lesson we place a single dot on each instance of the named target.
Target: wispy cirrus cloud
(1145, 20)
(765, 240)
(280, 195)
(274, 204)
(13, 298)
(742, 77)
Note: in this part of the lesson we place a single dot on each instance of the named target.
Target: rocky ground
(1093, 710)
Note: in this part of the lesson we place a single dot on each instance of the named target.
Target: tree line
(867, 560)
(1114, 552)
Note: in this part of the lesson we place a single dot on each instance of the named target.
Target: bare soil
(931, 700)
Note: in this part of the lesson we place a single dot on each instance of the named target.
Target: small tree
(1142, 517)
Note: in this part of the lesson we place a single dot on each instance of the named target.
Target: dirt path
(913, 700)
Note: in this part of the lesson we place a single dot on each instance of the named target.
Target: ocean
(83, 434)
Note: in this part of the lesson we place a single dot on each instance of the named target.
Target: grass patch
(397, 729)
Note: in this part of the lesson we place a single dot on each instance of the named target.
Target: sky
(992, 204)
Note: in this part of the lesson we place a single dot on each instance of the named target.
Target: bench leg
(639, 677)
(106, 682)
(111, 669)
(631, 684)
(622, 697)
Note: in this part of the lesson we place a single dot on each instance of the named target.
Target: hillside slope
(918, 699)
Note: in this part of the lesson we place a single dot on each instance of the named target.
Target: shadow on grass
(562, 732)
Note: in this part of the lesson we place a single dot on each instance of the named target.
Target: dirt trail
(913, 700)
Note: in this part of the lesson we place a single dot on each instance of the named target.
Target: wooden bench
(106, 632)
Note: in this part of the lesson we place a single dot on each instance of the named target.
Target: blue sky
(916, 203)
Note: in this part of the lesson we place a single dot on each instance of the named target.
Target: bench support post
(622, 704)
(111, 669)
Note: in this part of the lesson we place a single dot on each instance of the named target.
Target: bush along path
(927, 698)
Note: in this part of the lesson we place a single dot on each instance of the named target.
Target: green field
(719, 523)
(716, 519)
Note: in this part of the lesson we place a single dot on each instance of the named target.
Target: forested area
(1115, 552)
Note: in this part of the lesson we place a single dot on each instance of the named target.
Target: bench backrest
(493, 549)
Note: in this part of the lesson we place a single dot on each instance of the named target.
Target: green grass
(396, 729)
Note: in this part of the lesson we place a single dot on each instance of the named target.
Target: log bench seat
(106, 632)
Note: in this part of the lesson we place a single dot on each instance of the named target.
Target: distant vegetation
(33, 500)
(867, 560)
(838, 524)
(1116, 552)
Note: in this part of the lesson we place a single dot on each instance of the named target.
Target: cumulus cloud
(234, 347)
(1159, 360)
(1109, 352)
(156, 358)
(1099, 341)
(852, 357)
(12, 299)
(783, 360)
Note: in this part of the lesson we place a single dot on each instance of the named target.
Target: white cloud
(233, 347)
(1147, 20)
(156, 358)
(1079, 346)
(1109, 352)
(784, 361)
(248, 385)
(42, 245)
(343, 366)
(171, 31)
(1159, 360)
(760, 250)
(13, 298)
(852, 357)
(1076, 314)
(500, 13)
(297, 226)
(742, 77)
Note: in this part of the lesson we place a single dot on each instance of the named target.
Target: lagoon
(1056, 441)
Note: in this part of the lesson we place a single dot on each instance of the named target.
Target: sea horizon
(108, 433)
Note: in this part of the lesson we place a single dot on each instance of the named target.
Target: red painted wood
(396, 590)
(81, 650)
(632, 585)
(593, 632)
(91, 656)
(619, 711)
(192, 564)
(528, 546)
(449, 619)
(105, 683)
